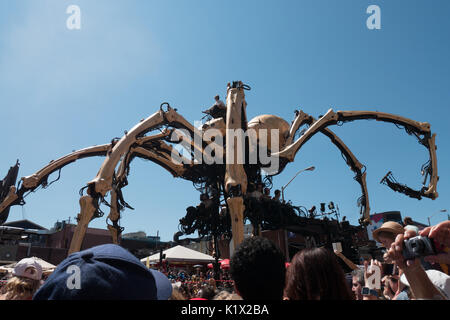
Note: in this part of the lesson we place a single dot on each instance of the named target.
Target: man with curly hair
(258, 270)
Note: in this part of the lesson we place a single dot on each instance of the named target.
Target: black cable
(59, 176)
(32, 191)
(82, 190)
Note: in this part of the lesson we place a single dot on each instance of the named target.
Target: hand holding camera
(395, 253)
(405, 251)
(409, 247)
(419, 246)
(439, 233)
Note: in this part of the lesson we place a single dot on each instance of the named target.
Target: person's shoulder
(402, 296)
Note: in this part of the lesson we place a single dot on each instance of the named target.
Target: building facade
(21, 239)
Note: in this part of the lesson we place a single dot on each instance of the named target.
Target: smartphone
(388, 269)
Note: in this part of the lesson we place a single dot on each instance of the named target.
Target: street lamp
(282, 188)
(429, 223)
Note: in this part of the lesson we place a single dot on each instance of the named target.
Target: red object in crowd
(198, 299)
(287, 264)
(225, 264)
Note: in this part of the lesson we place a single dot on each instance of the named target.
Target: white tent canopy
(181, 254)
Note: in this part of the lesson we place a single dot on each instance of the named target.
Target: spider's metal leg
(235, 176)
(420, 129)
(177, 170)
(84, 217)
(236, 206)
(356, 166)
(149, 154)
(300, 119)
(11, 198)
(192, 144)
(143, 140)
(103, 180)
(114, 216)
(30, 183)
(291, 150)
(36, 179)
(431, 190)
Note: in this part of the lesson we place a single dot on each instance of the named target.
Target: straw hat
(391, 227)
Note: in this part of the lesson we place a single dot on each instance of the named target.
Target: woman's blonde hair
(225, 295)
(20, 288)
(177, 295)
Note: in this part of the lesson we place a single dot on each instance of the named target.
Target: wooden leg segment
(84, 217)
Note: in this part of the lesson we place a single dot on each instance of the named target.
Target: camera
(418, 247)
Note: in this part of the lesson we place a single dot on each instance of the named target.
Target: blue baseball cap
(106, 272)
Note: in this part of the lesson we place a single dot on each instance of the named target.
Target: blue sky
(62, 90)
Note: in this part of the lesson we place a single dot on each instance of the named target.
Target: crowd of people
(258, 271)
(258, 192)
(197, 284)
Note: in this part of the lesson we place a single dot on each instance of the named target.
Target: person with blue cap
(106, 272)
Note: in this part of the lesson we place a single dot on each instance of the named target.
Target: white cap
(412, 228)
(28, 268)
(438, 278)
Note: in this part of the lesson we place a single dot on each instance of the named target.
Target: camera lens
(417, 246)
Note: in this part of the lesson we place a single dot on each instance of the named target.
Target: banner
(376, 220)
